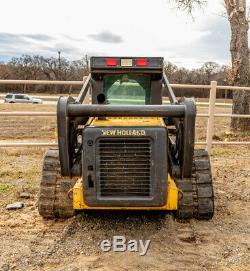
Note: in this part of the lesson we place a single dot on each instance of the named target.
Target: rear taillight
(141, 62)
(111, 62)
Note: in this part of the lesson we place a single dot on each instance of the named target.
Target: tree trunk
(236, 11)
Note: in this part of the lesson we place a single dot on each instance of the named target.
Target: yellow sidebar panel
(171, 204)
(78, 202)
(172, 200)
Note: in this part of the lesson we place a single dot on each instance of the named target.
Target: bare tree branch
(189, 5)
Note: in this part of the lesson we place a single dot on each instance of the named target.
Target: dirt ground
(27, 242)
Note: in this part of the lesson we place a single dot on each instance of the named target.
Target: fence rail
(28, 144)
(79, 83)
(211, 114)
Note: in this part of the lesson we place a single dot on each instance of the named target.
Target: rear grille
(125, 167)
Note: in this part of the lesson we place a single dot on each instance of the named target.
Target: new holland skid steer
(127, 150)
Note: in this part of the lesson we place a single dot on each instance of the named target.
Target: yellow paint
(127, 122)
(78, 202)
(171, 204)
(172, 200)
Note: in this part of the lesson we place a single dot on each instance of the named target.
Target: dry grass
(20, 171)
(22, 128)
(221, 128)
(21, 167)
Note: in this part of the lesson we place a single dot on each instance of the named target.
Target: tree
(209, 69)
(4, 71)
(237, 16)
(189, 5)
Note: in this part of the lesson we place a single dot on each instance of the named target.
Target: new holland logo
(118, 132)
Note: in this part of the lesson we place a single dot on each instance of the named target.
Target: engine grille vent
(125, 167)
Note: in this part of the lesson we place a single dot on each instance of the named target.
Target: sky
(114, 28)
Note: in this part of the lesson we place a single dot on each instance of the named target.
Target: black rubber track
(54, 200)
(196, 199)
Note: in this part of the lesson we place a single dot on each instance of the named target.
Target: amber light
(111, 62)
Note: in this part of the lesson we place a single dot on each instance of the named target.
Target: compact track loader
(127, 150)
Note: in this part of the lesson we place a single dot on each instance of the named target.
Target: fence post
(210, 123)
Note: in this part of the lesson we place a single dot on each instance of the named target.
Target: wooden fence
(211, 112)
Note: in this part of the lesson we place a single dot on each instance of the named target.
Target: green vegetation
(4, 188)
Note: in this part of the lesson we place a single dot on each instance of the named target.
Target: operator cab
(127, 81)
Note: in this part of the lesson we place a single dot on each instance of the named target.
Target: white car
(21, 98)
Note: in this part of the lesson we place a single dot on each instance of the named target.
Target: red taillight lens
(111, 62)
(141, 62)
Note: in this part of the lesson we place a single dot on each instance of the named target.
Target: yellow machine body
(172, 195)
(171, 203)
(126, 121)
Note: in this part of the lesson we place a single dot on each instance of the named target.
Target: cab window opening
(127, 89)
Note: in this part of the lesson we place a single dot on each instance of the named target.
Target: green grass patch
(4, 188)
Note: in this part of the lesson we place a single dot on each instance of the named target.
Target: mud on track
(27, 242)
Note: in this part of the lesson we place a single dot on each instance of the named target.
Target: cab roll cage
(71, 112)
